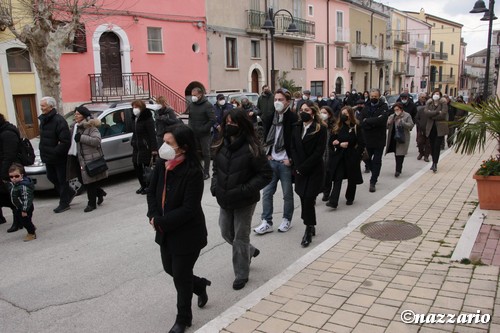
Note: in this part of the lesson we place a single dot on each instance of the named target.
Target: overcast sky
(474, 31)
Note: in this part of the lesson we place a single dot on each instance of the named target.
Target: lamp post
(489, 15)
(269, 25)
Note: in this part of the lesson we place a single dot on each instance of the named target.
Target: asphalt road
(101, 271)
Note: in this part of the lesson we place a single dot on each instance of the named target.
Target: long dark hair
(240, 117)
(185, 138)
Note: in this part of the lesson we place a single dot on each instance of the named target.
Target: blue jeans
(282, 173)
(375, 162)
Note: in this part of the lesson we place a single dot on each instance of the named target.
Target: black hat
(83, 111)
(220, 96)
(307, 92)
(404, 95)
(360, 101)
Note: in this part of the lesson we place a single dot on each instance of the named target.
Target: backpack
(25, 152)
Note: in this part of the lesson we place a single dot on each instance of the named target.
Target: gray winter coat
(438, 115)
(400, 149)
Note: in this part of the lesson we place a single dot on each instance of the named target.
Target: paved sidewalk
(353, 283)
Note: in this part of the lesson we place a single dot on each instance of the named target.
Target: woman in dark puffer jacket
(240, 171)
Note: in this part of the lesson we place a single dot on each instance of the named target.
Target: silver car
(116, 132)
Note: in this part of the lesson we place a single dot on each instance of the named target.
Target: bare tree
(47, 28)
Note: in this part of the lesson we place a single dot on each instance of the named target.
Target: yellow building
(19, 85)
(369, 55)
(445, 52)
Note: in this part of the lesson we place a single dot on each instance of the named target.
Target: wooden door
(111, 62)
(255, 81)
(26, 115)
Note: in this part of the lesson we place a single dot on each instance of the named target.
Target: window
(154, 40)
(80, 39)
(358, 37)
(339, 57)
(310, 10)
(297, 57)
(452, 49)
(316, 88)
(231, 53)
(297, 6)
(255, 48)
(18, 60)
(320, 56)
(340, 26)
(451, 71)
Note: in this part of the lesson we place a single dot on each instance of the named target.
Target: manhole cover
(391, 230)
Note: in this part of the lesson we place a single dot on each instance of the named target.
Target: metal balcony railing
(440, 56)
(401, 37)
(342, 35)
(256, 19)
(445, 78)
(130, 86)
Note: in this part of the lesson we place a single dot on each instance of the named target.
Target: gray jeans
(235, 225)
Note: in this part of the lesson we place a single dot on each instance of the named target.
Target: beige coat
(399, 149)
(437, 113)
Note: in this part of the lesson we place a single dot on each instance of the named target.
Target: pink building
(137, 50)
(327, 61)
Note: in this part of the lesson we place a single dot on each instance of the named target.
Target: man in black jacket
(265, 104)
(9, 140)
(55, 140)
(201, 119)
(334, 104)
(374, 123)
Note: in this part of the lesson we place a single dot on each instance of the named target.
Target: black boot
(15, 227)
(203, 297)
(100, 196)
(307, 238)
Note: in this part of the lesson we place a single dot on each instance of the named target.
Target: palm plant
(482, 121)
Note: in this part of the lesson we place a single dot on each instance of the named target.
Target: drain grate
(392, 230)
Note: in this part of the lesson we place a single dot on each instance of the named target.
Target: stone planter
(488, 191)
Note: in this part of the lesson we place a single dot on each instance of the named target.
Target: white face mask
(397, 113)
(279, 106)
(222, 102)
(136, 111)
(305, 97)
(332, 97)
(436, 97)
(320, 99)
(323, 116)
(235, 105)
(194, 99)
(167, 152)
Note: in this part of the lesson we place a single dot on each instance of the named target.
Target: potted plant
(480, 123)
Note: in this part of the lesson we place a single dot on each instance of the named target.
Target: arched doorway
(255, 81)
(338, 86)
(111, 62)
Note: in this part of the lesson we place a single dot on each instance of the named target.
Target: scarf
(73, 149)
(279, 143)
(169, 166)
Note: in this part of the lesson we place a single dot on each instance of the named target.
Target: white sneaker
(263, 228)
(285, 225)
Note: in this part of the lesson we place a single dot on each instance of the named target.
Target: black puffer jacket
(201, 117)
(55, 138)
(144, 138)
(9, 143)
(374, 124)
(239, 173)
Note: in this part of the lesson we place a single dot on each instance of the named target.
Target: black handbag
(95, 167)
(399, 135)
(147, 171)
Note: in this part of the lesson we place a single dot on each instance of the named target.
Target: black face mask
(344, 118)
(232, 130)
(374, 101)
(305, 116)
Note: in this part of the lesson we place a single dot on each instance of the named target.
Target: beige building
(370, 56)
(239, 50)
(445, 48)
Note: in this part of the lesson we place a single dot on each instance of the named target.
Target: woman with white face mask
(399, 125)
(436, 110)
(175, 213)
(143, 142)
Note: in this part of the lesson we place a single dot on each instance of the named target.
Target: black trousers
(26, 222)
(337, 186)
(93, 190)
(375, 163)
(56, 173)
(180, 267)
(399, 162)
(139, 170)
(436, 142)
(308, 214)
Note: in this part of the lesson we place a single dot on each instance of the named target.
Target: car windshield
(70, 116)
(391, 99)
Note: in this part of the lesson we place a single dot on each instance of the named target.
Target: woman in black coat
(175, 212)
(308, 145)
(143, 142)
(346, 146)
(240, 171)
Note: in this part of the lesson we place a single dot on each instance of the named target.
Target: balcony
(256, 19)
(416, 46)
(400, 68)
(410, 71)
(439, 56)
(385, 56)
(445, 78)
(342, 36)
(401, 37)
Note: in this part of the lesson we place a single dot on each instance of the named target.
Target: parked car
(391, 100)
(253, 97)
(116, 132)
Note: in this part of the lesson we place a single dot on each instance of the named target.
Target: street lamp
(269, 25)
(489, 15)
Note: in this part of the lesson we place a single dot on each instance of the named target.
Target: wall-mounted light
(136, 19)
